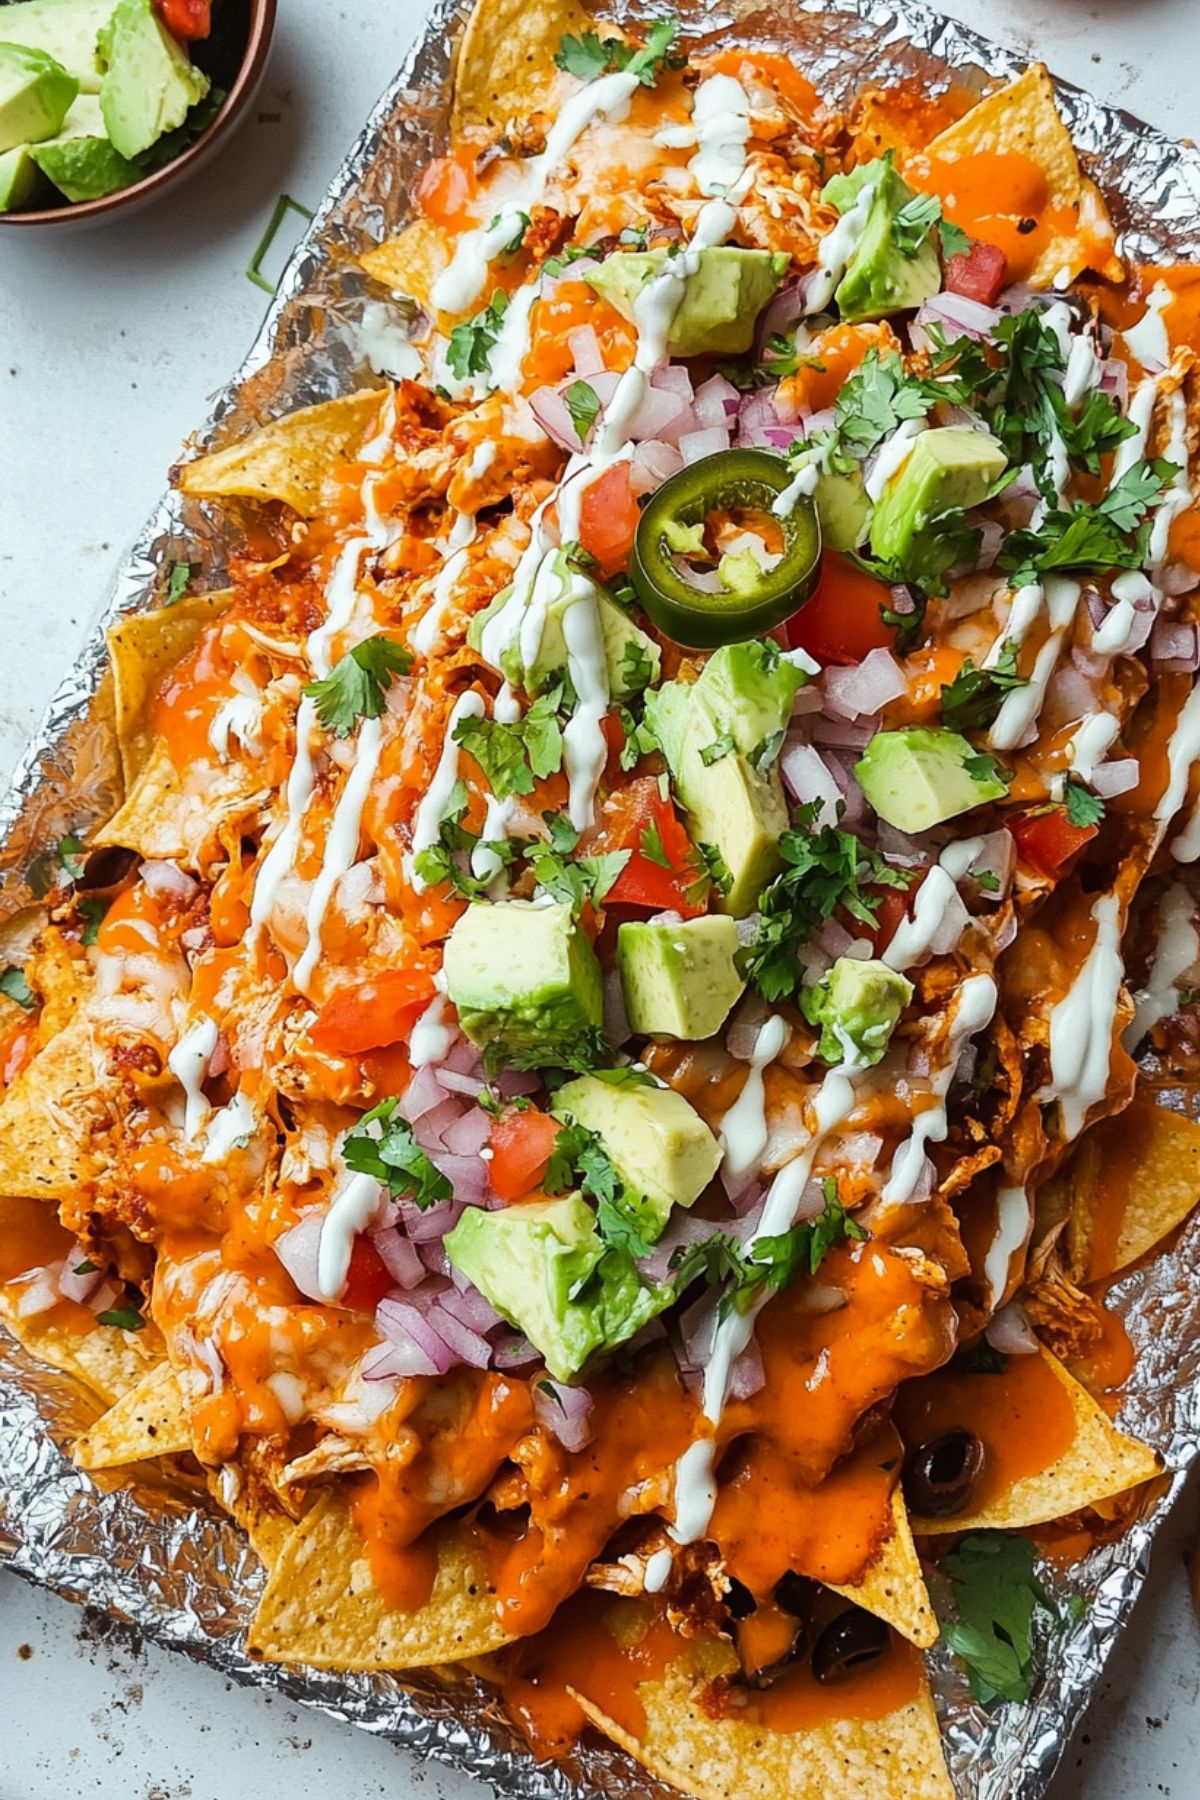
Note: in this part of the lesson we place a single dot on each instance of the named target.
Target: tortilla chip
(59, 974)
(893, 1588)
(47, 1117)
(1023, 119)
(410, 263)
(1133, 1179)
(163, 816)
(896, 1757)
(143, 648)
(106, 1362)
(150, 1420)
(1100, 1462)
(290, 458)
(505, 65)
(321, 1605)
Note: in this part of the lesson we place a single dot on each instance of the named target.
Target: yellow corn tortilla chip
(411, 262)
(47, 1117)
(1145, 1160)
(1023, 118)
(321, 1605)
(163, 816)
(897, 1757)
(505, 64)
(58, 972)
(893, 1588)
(150, 1420)
(288, 459)
(1100, 1462)
(143, 648)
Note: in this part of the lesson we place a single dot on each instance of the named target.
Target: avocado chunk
(658, 1144)
(720, 736)
(631, 656)
(722, 296)
(80, 161)
(947, 467)
(679, 980)
(35, 95)
(543, 1265)
(856, 1006)
(149, 85)
(919, 776)
(881, 277)
(843, 509)
(526, 983)
(67, 30)
(19, 178)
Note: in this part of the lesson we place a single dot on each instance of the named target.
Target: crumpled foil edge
(146, 1553)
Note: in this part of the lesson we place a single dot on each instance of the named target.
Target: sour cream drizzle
(228, 1129)
(351, 1210)
(341, 845)
(834, 252)
(1021, 706)
(1014, 1216)
(428, 819)
(914, 937)
(976, 1005)
(1182, 752)
(1081, 1025)
(188, 1063)
(429, 633)
(1177, 947)
(744, 1126)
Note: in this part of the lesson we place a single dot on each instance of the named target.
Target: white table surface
(110, 342)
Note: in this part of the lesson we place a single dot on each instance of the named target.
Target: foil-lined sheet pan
(153, 1556)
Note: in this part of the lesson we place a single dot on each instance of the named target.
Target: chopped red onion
(464, 1057)
(297, 1249)
(429, 1129)
(808, 780)
(859, 1149)
(510, 1083)
(424, 1092)
(513, 1352)
(759, 423)
(877, 680)
(662, 414)
(901, 847)
(673, 378)
(997, 857)
(843, 734)
(454, 1083)
(468, 1135)
(1175, 644)
(585, 348)
(430, 1225)
(717, 401)
(854, 801)
(782, 311)
(469, 1307)
(682, 1231)
(399, 1257)
(395, 1362)
(832, 938)
(553, 415)
(165, 881)
(695, 445)
(1114, 380)
(468, 1346)
(404, 1324)
(812, 1201)
(970, 317)
(991, 540)
(697, 1328)
(1007, 933)
(1177, 578)
(747, 1375)
(950, 927)
(924, 1187)
(563, 1412)
(1098, 608)
(1010, 1332)
(467, 1175)
(1119, 777)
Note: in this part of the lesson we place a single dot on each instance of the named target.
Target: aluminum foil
(155, 1556)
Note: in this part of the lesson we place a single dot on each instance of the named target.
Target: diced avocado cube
(80, 161)
(843, 509)
(35, 95)
(67, 30)
(628, 651)
(950, 466)
(19, 178)
(881, 277)
(525, 981)
(919, 776)
(542, 1265)
(659, 1145)
(679, 980)
(149, 84)
(856, 1006)
(722, 297)
(733, 798)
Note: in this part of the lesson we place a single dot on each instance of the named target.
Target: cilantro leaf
(712, 871)
(590, 56)
(91, 910)
(177, 582)
(358, 682)
(512, 756)
(869, 407)
(579, 1159)
(14, 984)
(471, 343)
(620, 1230)
(71, 854)
(1083, 807)
(955, 241)
(583, 404)
(996, 1594)
(972, 700)
(983, 768)
(394, 1157)
(522, 224)
(125, 1318)
(913, 223)
(772, 1263)
(720, 747)
(1090, 538)
(651, 846)
(637, 669)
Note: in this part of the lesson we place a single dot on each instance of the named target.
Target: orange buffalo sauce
(798, 1702)
(579, 1650)
(191, 697)
(403, 1573)
(998, 196)
(1022, 1415)
(1122, 1142)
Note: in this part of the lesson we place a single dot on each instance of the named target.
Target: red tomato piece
(521, 1144)
(978, 273)
(186, 19)
(608, 520)
(842, 622)
(645, 881)
(368, 1279)
(372, 1013)
(1048, 840)
(892, 908)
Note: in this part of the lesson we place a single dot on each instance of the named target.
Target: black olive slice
(848, 1643)
(940, 1475)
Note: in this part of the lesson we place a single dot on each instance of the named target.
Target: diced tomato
(978, 273)
(186, 19)
(447, 188)
(644, 881)
(372, 1013)
(521, 1144)
(388, 1071)
(892, 908)
(18, 1042)
(1048, 840)
(608, 519)
(369, 1278)
(842, 620)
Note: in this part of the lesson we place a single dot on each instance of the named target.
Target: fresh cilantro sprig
(513, 755)
(124, 1318)
(394, 1157)
(471, 344)
(16, 987)
(1091, 537)
(773, 1263)
(583, 404)
(972, 700)
(997, 1595)
(590, 56)
(1083, 807)
(579, 1159)
(449, 859)
(826, 869)
(914, 222)
(710, 871)
(356, 687)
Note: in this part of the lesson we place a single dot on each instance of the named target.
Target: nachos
(588, 1084)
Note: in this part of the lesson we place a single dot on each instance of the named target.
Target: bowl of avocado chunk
(106, 103)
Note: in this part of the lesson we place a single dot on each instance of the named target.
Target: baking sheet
(187, 1579)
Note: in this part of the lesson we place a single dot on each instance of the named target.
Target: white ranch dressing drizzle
(434, 1032)
(1082, 372)
(462, 280)
(428, 819)
(913, 937)
(802, 486)
(658, 1569)
(282, 854)
(721, 118)
(238, 718)
(1014, 1216)
(1177, 947)
(976, 1005)
(1090, 743)
(188, 1063)
(1178, 496)
(351, 1210)
(834, 252)
(230, 1128)
(585, 748)
(428, 634)
(485, 863)
(1182, 751)
(512, 341)
(1148, 339)
(341, 594)
(1113, 634)
(743, 1131)
(1131, 450)
(1081, 1025)
(891, 457)
(1022, 705)
(341, 845)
